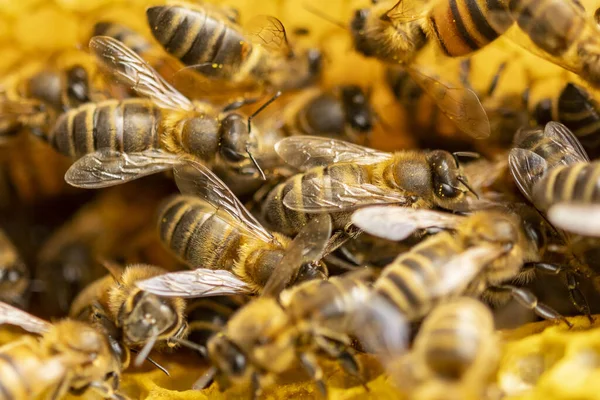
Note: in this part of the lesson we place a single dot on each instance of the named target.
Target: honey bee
(230, 251)
(486, 253)
(268, 337)
(142, 319)
(348, 176)
(125, 140)
(433, 129)
(209, 39)
(14, 274)
(207, 316)
(343, 113)
(70, 357)
(578, 110)
(442, 364)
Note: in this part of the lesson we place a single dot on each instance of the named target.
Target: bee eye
(446, 190)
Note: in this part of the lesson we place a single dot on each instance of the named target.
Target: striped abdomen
(408, 280)
(455, 336)
(549, 149)
(289, 222)
(26, 375)
(553, 25)
(131, 125)
(130, 38)
(579, 112)
(464, 26)
(573, 183)
(189, 227)
(199, 37)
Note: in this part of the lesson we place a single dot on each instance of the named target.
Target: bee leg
(339, 350)
(311, 366)
(527, 299)
(577, 297)
(256, 388)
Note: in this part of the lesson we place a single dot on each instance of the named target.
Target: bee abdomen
(580, 113)
(127, 36)
(190, 228)
(578, 182)
(130, 126)
(14, 383)
(196, 37)
(553, 25)
(464, 26)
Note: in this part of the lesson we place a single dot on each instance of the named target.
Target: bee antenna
(470, 154)
(261, 108)
(190, 345)
(260, 170)
(151, 361)
(324, 16)
(462, 180)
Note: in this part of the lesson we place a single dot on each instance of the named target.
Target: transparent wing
(130, 69)
(307, 247)
(194, 178)
(408, 10)
(268, 32)
(460, 104)
(397, 223)
(566, 140)
(332, 195)
(527, 168)
(581, 219)
(107, 167)
(455, 275)
(200, 282)
(13, 316)
(305, 152)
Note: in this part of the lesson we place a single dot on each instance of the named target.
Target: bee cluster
(198, 189)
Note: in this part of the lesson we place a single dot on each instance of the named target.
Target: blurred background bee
(14, 274)
(70, 356)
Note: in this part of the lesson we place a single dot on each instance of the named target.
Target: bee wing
(269, 32)
(334, 195)
(107, 167)
(460, 104)
(194, 178)
(397, 223)
(129, 68)
(455, 275)
(526, 168)
(13, 316)
(581, 219)
(407, 10)
(565, 139)
(200, 282)
(305, 152)
(308, 246)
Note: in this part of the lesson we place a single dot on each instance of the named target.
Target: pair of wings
(305, 152)
(405, 11)
(194, 178)
(107, 167)
(528, 167)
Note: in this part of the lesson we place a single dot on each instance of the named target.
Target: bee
(485, 254)
(433, 129)
(343, 112)
(230, 251)
(141, 319)
(578, 110)
(106, 227)
(442, 364)
(207, 316)
(345, 176)
(69, 357)
(14, 274)
(119, 141)
(209, 39)
(268, 337)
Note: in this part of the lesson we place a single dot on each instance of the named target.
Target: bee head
(449, 185)
(234, 138)
(77, 85)
(312, 270)
(146, 315)
(357, 109)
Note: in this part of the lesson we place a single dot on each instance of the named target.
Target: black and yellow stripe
(198, 37)
(131, 125)
(464, 26)
(579, 112)
(130, 38)
(578, 182)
